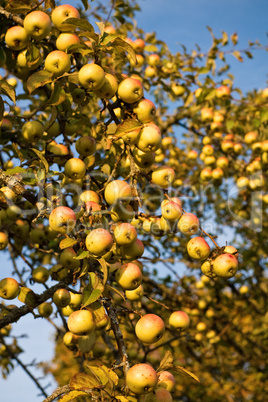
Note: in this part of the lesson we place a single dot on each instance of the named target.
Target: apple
(141, 379)
(108, 88)
(192, 155)
(66, 39)
(149, 138)
(89, 195)
(150, 72)
(208, 149)
(206, 114)
(128, 276)
(85, 145)
(227, 146)
(225, 265)
(3, 240)
(201, 326)
(177, 89)
(130, 90)
(163, 176)
(118, 190)
(230, 250)
(188, 224)
(75, 168)
(206, 174)
(122, 212)
(125, 234)
(150, 328)
(13, 212)
(81, 322)
(99, 242)
(67, 259)
(250, 137)
(70, 340)
(179, 320)
(67, 311)
(138, 63)
(198, 248)
(135, 294)
(9, 288)
(171, 211)
(217, 174)
(143, 159)
(132, 251)
(45, 309)
(91, 76)
(159, 395)
(22, 61)
(222, 162)
(16, 38)
(40, 274)
(32, 131)
(61, 297)
(37, 25)
(57, 62)
(173, 199)
(138, 45)
(223, 91)
(62, 220)
(166, 380)
(110, 30)
(62, 13)
(145, 111)
(153, 60)
(28, 297)
(37, 235)
(76, 300)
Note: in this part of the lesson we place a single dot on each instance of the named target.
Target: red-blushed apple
(153, 60)
(159, 395)
(206, 114)
(125, 234)
(230, 250)
(91, 206)
(130, 90)
(62, 220)
(208, 149)
(118, 190)
(163, 176)
(171, 211)
(217, 174)
(192, 155)
(250, 137)
(37, 24)
(16, 38)
(32, 131)
(85, 145)
(227, 146)
(141, 379)
(149, 138)
(166, 380)
(150, 328)
(138, 45)
(132, 251)
(57, 62)
(188, 224)
(173, 199)
(108, 88)
(135, 294)
(225, 265)
(45, 309)
(62, 13)
(198, 248)
(40, 274)
(67, 258)
(9, 288)
(110, 30)
(223, 91)
(81, 322)
(75, 168)
(222, 162)
(61, 297)
(128, 276)
(179, 320)
(91, 76)
(99, 242)
(65, 40)
(145, 111)
(3, 240)
(89, 195)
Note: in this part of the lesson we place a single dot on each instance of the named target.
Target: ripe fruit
(62, 220)
(145, 111)
(198, 248)
(188, 224)
(166, 380)
(108, 88)
(3, 240)
(163, 176)
(179, 320)
(75, 168)
(141, 378)
(9, 288)
(222, 91)
(81, 322)
(45, 309)
(61, 297)
(91, 76)
(67, 259)
(178, 90)
(32, 131)
(23, 62)
(130, 90)
(135, 294)
(40, 274)
(57, 62)
(225, 265)
(85, 145)
(89, 195)
(143, 159)
(149, 138)
(132, 251)
(37, 24)
(125, 234)
(150, 328)
(128, 276)
(99, 242)
(65, 40)
(159, 395)
(62, 13)
(117, 190)
(153, 60)
(16, 38)
(171, 211)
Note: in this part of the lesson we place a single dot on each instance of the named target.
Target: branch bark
(11, 16)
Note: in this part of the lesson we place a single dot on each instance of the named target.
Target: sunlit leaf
(186, 373)
(38, 80)
(41, 157)
(71, 395)
(8, 90)
(167, 362)
(68, 242)
(82, 381)
(79, 23)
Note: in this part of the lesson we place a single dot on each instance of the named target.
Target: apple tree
(133, 207)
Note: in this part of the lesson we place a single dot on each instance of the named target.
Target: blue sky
(175, 21)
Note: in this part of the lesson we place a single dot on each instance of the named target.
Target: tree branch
(11, 16)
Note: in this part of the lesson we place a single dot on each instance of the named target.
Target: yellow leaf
(186, 373)
(167, 361)
(84, 381)
(71, 395)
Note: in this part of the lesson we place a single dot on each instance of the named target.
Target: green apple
(108, 88)
(9, 288)
(132, 251)
(171, 211)
(67, 259)
(130, 90)
(150, 328)
(57, 62)
(159, 395)
(91, 76)
(3, 240)
(37, 24)
(163, 176)
(45, 309)
(85, 145)
(40, 274)
(89, 195)
(125, 234)
(32, 131)
(135, 294)
(149, 138)
(118, 190)
(75, 168)
(81, 322)
(61, 297)
(22, 61)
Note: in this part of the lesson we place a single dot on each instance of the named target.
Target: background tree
(99, 195)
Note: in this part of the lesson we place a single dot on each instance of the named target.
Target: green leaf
(203, 70)
(76, 48)
(111, 288)
(83, 24)
(50, 4)
(128, 126)
(68, 242)
(264, 115)
(230, 124)
(71, 395)
(82, 254)
(123, 45)
(38, 80)
(16, 170)
(8, 90)
(167, 362)
(83, 381)
(90, 296)
(211, 95)
(189, 100)
(57, 96)
(151, 48)
(104, 269)
(18, 6)
(84, 269)
(186, 373)
(18, 151)
(101, 27)
(42, 158)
